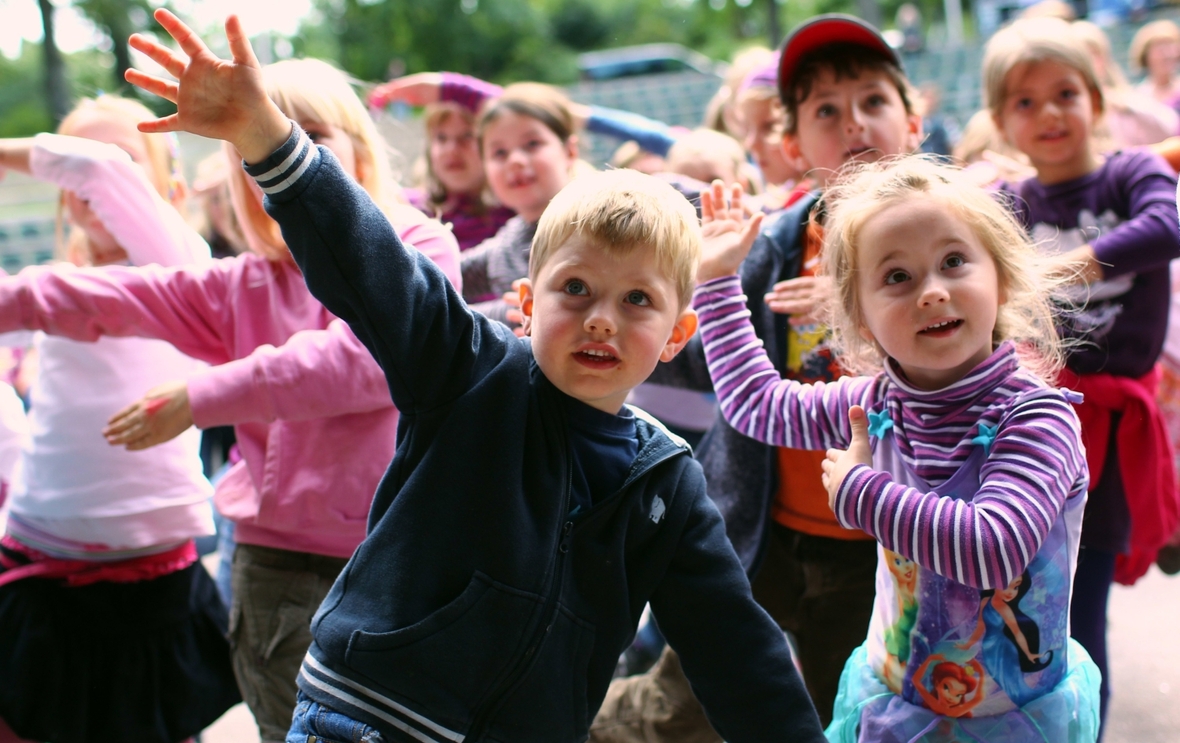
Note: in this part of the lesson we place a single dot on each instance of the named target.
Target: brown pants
(276, 593)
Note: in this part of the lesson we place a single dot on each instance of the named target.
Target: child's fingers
(166, 124)
(188, 40)
(239, 45)
(158, 53)
(750, 232)
(708, 214)
(166, 89)
(735, 202)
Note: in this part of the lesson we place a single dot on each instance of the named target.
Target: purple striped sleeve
(1036, 463)
(469, 92)
(754, 398)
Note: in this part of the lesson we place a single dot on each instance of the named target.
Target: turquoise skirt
(866, 710)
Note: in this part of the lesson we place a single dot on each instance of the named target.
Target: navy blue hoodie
(477, 609)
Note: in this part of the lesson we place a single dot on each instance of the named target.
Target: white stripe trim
(320, 668)
(286, 183)
(279, 169)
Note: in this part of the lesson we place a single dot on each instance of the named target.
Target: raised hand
(726, 232)
(840, 461)
(214, 97)
(161, 415)
(801, 298)
(418, 89)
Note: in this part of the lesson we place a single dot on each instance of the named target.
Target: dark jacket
(477, 608)
(743, 473)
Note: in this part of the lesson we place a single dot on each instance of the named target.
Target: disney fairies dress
(948, 662)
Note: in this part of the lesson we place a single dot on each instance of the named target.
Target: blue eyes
(898, 276)
(578, 288)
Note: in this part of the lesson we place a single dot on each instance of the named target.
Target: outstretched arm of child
(214, 97)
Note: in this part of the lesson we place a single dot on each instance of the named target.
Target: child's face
(454, 156)
(599, 323)
(1048, 114)
(103, 127)
(928, 289)
(526, 163)
(336, 140)
(861, 118)
(1162, 57)
(762, 122)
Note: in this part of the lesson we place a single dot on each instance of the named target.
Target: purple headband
(765, 76)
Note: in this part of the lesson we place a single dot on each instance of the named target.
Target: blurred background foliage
(498, 40)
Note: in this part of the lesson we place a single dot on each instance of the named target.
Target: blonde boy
(527, 516)
(846, 98)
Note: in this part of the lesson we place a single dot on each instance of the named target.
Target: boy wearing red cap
(846, 98)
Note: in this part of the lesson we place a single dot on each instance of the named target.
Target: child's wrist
(265, 135)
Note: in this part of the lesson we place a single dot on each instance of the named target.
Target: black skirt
(144, 662)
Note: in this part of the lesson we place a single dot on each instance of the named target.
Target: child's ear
(525, 289)
(793, 154)
(682, 332)
(571, 149)
(913, 124)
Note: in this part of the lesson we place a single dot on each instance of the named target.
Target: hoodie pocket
(549, 703)
(447, 661)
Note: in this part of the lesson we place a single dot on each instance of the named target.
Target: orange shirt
(802, 501)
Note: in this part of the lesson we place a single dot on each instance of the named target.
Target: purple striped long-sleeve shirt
(1036, 460)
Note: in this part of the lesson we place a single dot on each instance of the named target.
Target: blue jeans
(315, 723)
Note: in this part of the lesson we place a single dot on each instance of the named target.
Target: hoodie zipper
(525, 663)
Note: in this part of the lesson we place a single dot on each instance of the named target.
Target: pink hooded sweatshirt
(310, 406)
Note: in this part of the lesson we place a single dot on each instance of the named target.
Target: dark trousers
(821, 591)
(1087, 612)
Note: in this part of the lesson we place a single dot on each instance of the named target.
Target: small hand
(418, 89)
(726, 233)
(840, 461)
(802, 298)
(514, 315)
(163, 414)
(214, 97)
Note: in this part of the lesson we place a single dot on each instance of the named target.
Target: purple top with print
(1126, 210)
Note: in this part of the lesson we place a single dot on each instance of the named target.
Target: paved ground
(1145, 648)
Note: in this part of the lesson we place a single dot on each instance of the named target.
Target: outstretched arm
(754, 398)
(214, 97)
(395, 300)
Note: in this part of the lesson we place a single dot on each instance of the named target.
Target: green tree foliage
(118, 19)
(24, 110)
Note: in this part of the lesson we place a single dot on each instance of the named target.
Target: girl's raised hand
(840, 462)
(161, 415)
(214, 97)
(726, 233)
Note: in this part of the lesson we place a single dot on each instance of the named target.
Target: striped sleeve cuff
(850, 498)
(288, 167)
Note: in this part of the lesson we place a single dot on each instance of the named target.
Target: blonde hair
(161, 149)
(1162, 30)
(620, 211)
(863, 191)
(313, 90)
(699, 147)
(1029, 41)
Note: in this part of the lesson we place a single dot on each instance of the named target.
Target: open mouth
(938, 328)
(597, 359)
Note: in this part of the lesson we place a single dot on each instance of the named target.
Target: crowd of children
(921, 399)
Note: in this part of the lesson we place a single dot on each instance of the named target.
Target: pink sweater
(313, 417)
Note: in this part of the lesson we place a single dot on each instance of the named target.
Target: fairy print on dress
(1094, 305)
(956, 650)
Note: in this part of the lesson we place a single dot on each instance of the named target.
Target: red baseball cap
(830, 28)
